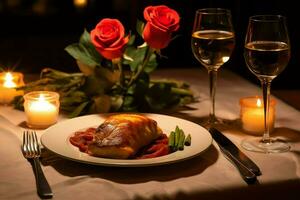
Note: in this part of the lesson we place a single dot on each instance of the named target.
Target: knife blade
(233, 150)
(246, 174)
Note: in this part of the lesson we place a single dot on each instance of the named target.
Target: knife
(247, 175)
(232, 152)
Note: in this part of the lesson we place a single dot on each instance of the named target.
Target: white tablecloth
(208, 176)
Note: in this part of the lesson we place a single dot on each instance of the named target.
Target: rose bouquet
(115, 70)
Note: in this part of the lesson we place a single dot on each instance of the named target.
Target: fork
(31, 150)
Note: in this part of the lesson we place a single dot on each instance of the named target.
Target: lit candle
(41, 108)
(80, 3)
(252, 115)
(9, 81)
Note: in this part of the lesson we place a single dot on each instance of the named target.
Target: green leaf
(84, 51)
(140, 27)
(131, 40)
(102, 81)
(86, 69)
(69, 101)
(95, 86)
(129, 105)
(81, 53)
(140, 87)
(136, 56)
(78, 110)
(101, 104)
(135, 97)
(85, 38)
(116, 102)
(159, 96)
(18, 102)
(53, 74)
(152, 64)
(108, 76)
(78, 94)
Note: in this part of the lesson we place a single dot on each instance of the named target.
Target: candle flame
(41, 98)
(258, 103)
(42, 105)
(80, 3)
(9, 83)
(225, 59)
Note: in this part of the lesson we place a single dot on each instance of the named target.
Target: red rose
(162, 21)
(109, 38)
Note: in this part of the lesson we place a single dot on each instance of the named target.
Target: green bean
(177, 136)
(171, 140)
(181, 140)
(188, 140)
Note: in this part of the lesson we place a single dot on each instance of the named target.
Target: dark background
(34, 33)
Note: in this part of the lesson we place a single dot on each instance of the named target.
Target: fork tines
(30, 146)
(31, 150)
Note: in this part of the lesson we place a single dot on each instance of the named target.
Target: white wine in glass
(267, 53)
(212, 48)
(212, 44)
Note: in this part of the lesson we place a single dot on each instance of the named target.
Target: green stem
(57, 74)
(118, 64)
(174, 83)
(72, 83)
(148, 54)
(181, 91)
(122, 79)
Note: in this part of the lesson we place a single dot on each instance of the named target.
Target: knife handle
(247, 175)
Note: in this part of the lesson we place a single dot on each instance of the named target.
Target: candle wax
(41, 113)
(7, 88)
(253, 117)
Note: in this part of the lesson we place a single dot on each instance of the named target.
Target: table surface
(207, 176)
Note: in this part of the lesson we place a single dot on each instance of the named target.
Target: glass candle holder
(252, 115)
(41, 108)
(9, 81)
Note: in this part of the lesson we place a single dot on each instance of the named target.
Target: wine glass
(212, 44)
(267, 53)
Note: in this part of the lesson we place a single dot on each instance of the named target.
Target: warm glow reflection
(258, 103)
(225, 59)
(41, 98)
(42, 105)
(80, 3)
(8, 81)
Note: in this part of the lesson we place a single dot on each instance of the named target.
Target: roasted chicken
(123, 135)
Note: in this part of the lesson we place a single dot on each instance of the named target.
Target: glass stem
(266, 86)
(212, 74)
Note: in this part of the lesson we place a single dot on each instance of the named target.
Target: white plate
(56, 139)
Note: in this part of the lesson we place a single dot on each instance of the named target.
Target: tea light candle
(252, 115)
(41, 108)
(9, 81)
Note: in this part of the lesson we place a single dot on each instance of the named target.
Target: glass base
(39, 126)
(214, 122)
(272, 146)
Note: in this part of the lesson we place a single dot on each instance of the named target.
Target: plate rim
(162, 160)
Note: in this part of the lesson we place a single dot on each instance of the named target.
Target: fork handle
(42, 184)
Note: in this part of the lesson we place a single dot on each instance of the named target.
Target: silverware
(247, 175)
(32, 151)
(223, 141)
(248, 169)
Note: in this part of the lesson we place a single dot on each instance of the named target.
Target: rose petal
(108, 38)
(161, 22)
(155, 37)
